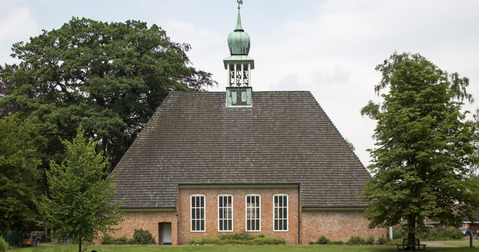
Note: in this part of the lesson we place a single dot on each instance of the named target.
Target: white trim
(232, 212)
(204, 213)
(249, 75)
(281, 208)
(229, 74)
(242, 74)
(246, 212)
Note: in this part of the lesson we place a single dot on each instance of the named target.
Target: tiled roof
(285, 137)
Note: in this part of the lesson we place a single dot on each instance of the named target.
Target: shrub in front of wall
(356, 240)
(243, 236)
(239, 238)
(141, 236)
(323, 240)
(206, 240)
(382, 240)
(370, 240)
(108, 240)
(441, 234)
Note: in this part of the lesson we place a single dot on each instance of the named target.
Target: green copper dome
(238, 41)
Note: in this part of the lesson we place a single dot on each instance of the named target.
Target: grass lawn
(229, 248)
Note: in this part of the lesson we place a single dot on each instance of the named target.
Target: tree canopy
(424, 146)
(108, 77)
(18, 172)
(79, 203)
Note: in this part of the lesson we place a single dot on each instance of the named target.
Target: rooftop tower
(238, 66)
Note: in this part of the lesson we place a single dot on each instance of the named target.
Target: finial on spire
(240, 2)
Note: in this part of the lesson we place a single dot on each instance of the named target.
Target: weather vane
(240, 2)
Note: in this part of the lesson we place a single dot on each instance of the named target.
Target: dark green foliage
(382, 240)
(424, 146)
(323, 240)
(108, 240)
(3, 245)
(239, 238)
(370, 241)
(356, 240)
(436, 234)
(399, 232)
(18, 172)
(80, 191)
(107, 77)
(141, 236)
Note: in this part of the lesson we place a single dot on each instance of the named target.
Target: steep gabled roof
(285, 137)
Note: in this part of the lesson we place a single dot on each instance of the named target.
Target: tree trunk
(411, 232)
(79, 245)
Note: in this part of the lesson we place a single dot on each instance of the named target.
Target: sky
(327, 47)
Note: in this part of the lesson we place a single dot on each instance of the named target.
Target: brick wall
(239, 194)
(334, 224)
(147, 221)
(337, 225)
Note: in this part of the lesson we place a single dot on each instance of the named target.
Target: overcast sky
(328, 47)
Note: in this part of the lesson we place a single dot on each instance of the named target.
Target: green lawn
(227, 248)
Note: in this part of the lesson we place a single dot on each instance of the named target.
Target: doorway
(164, 229)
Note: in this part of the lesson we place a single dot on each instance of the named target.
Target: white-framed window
(253, 213)
(225, 213)
(280, 212)
(197, 207)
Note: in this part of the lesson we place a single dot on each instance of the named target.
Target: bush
(441, 234)
(356, 240)
(142, 237)
(243, 236)
(108, 240)
(323, 240)
(239, 238)
(381, 240)
(436, 234)
(3, 245)
(370, 241)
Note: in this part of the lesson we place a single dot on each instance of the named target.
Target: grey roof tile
(285, 137)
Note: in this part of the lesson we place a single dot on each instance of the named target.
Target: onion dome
(238, 41)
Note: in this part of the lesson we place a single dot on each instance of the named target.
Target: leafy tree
(423, 148)
(18, 173)
(80, 192)
(108, 77)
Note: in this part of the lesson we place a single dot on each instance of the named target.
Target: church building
(268, 162)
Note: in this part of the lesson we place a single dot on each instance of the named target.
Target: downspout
(299, 214)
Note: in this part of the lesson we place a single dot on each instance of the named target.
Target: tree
(108, 77)
(79, 204)
(18, 173)
(424, 147)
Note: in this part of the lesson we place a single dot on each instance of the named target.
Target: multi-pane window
(280, 210)
(197, 205)
(225, 213)
(253, 213)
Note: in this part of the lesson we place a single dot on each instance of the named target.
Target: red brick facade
(334, 224)
(337, 225)
(239, 220)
